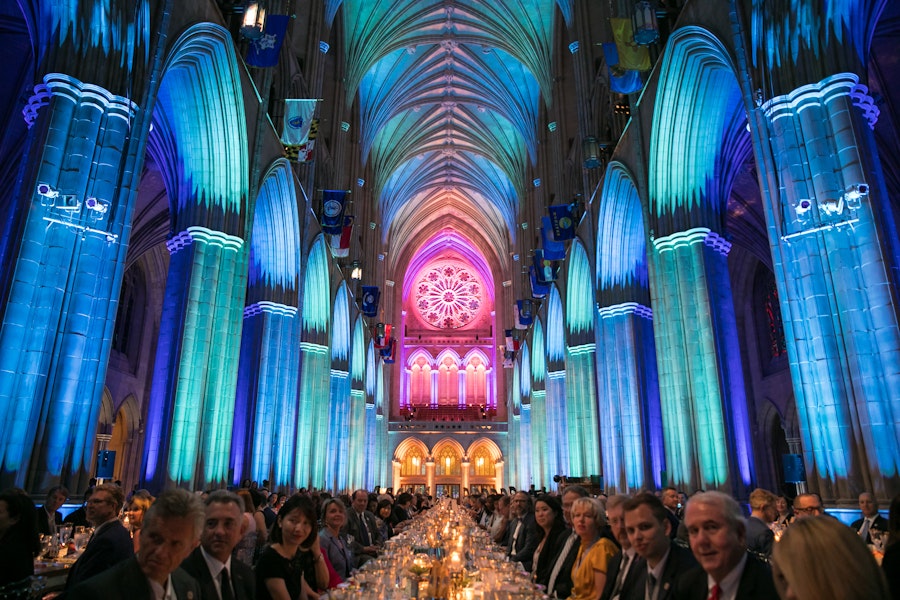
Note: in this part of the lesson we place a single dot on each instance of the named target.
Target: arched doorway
(448, 469)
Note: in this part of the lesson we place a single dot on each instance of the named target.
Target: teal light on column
(581, 412)
(538, 356)
(526, 454)
(690, 397)
(541, 468)
(317, 294)
(579, 292)
(358, 425)
(203, 406)
(556, 332)
(339, 422)
(312, 418)
(340, 333)
(523, 371)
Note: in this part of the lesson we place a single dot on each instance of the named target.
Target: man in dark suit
(363, 528)
(111, 542)
(871, 520)
(524, 535)
(626, 568)
(48, 516)
(649, 533)
(762, 512)
(170, 532)
(220, 576)
(672, 501)
(716, 531)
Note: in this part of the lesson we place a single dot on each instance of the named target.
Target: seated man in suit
(170, 532)
(871, 520)
(48, 516)
(626, 568)
(524, 535)
(221, 577)
(111, 542)
(363, 528)
(717, 532)
(649, 531)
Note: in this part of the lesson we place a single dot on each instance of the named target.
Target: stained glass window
(777, 344)
(413, 462)
(448, 295)
(446, 462)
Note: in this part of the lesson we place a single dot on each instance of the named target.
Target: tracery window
(413, 462)
(420, 382)
(482, 463)
(476, 382)
(448, 383)
(447, 462)
(449, 295)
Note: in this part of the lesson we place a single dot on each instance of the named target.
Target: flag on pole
(300, 129)
(538, 290)
(370, 296)
(388, 355)
(562, 218)
(553, 249)
(264, 51)
(621, 81)
(333, 211)
(340, 244)
(382, 335)
(509, 360)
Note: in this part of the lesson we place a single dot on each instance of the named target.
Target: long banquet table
(441, 555)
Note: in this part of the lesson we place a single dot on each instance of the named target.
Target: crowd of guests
(226, 545)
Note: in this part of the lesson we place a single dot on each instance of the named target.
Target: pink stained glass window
(449, 295)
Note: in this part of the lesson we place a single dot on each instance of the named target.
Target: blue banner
(562, 217)
(538, 290)
(333, 211)
(265, 50)
(621, 81)
(370, 297)
(552, 249)
(524, 312)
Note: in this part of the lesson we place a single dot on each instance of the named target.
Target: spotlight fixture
(96, 205)
(46, 191)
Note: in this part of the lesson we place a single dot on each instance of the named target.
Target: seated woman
(134, 510)
(334, 545)
(18, 542)
(549, 519)
(383, 519)
(592, 561)
(293, 567)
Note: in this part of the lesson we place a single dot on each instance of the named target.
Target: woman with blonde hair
(595, 551)
(134, 510)
(820, 558)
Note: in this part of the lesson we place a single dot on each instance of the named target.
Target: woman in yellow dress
(591, 564)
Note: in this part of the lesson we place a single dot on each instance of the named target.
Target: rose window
(448, 296)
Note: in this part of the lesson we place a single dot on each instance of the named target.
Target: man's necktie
(715, 593)
(225, 585)
(651, 586)
(363, 531)
(864, 530)
(620, 578)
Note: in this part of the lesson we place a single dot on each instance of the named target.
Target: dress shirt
(654, 575)
(163, 593)
(624, 568)
(215, 569)
(729, 585)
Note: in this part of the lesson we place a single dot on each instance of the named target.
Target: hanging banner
(388, 354)
(340, 244)
(553, 249)
(333, 211)
(524, 310)
(264, 51)
(381, 336)
(538, 290)
(370, 296)
(300, 129)
(509, 360)
(632, 57)
(621, 81)
(563, 221)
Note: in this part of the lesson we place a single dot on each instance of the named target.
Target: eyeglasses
(809, 510)
(98, 501)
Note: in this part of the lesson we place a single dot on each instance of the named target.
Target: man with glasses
(111, 542)
(808, 505)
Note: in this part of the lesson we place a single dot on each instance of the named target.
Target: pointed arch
(556, 333)
(316, 296)
(580, 291)
(340, 334)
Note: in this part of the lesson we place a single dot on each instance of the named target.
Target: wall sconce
(254, 22)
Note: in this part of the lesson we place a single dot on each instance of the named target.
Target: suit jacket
(43, 520)
(635, 572)
(352, 529)
(680, 561)
(110, 545)
(756, 583)
(243, 581)
(562, 585)
(125, 581)
(879, 524)
(526, 543)
(759, 537)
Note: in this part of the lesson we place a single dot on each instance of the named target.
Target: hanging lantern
(590, 147)
(643, 20)
(356, 271)
(254, 22)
